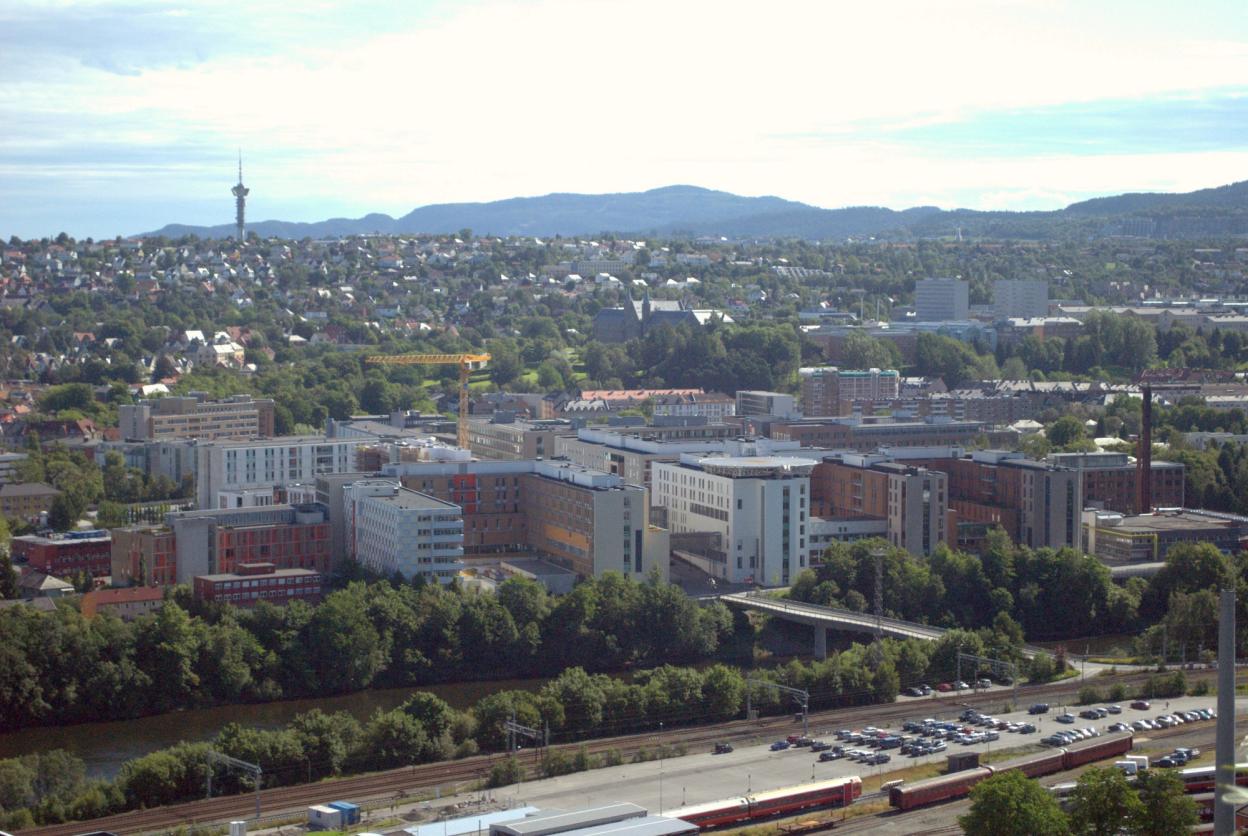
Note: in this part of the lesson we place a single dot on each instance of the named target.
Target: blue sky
(123, 116)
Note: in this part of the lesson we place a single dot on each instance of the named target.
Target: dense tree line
(575, 705)
(62, 668)
(1049, 594)
(1012, 590)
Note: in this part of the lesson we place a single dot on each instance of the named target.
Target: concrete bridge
(823, 619)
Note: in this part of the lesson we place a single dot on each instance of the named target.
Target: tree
(1164, 808)
(1011, 804)
(1103, 801)
(862, 351)
(1065, 431)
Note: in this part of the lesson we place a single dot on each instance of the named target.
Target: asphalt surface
(701, 776)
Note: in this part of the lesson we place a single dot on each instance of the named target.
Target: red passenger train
(836, 792)
(946, 787)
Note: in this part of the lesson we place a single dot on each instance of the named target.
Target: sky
(120, 117)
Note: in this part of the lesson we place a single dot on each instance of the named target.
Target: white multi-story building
(758, 505)
(269, 463)
(941, 300)
(753, 402)
(392, 529)
(1025, 298)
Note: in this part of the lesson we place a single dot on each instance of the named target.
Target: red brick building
(65, 555)
(145, 555)
(286, 545)
(255, 582)
(126, 604)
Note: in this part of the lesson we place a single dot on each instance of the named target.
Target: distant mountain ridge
(695, 211)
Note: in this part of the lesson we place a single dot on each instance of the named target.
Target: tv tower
(240, 193)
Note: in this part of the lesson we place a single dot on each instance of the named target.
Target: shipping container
(324, 817)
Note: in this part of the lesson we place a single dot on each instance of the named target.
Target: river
(104, 747)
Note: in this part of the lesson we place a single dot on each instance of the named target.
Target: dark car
(820, 746)
(836, 753)
(1141, 705)
(877, 759)
(1090, 714)
(1039, 708)
(723, 748)
(913, 692)
(779, 745)
(1169, 761)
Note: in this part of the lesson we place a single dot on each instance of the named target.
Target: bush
(1200, 689)
(555, 763)
(504, 772)
(1164, 685)
(1089, 694)
(1117, 692)
(612, 757)
(466, 749)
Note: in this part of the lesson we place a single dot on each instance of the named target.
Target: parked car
(723, 748)
(835, 753)
(944, 687)
(1119, 727)
(1027, 728)
(820, 746)
(960, 686)
(983, 683)
(1066, 718)
(1170, 761)
(1141, 705)
(779, 745)
(877, 759)
(1039, 708)
(1089, 714)
(912, 692)
(1114, 709)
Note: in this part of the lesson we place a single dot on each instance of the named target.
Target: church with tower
(636, 318)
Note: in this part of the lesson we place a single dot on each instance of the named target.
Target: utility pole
(1224, 783)
(878, 554)
(799, 696)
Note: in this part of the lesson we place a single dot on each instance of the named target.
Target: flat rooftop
(276, 573)
(407, 498)
(1176, 521)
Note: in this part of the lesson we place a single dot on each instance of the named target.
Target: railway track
(932, 820)
(456, 775)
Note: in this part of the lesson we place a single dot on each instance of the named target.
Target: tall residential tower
(240, 193)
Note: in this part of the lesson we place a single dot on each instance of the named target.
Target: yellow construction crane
(468, 363)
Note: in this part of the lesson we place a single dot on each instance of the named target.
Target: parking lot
(754, 766)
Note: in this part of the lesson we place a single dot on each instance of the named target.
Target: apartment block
(912, 500)
(1037, 503)
(393, 529)
(65, 555)
(758, 507)
(195, 416)
(219, 540)
(1111, 480)
(26, 500)
(1023, 298)
(256, 582)
(865, 436)
(941, 300)
(830, 391)
(270, 463)
(631, 452)
(515, 440)
(580, 518)
(144, 555)
(765, 403)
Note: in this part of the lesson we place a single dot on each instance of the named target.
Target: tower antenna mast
(240, 193)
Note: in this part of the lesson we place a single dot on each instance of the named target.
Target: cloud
(388, 106)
